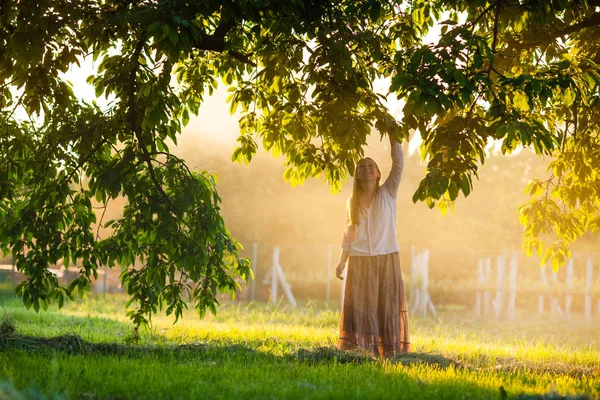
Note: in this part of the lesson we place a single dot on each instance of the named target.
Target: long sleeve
(349, 236)
(393, 180)
(349, 232)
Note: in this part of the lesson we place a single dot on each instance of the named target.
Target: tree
(302, 73)
(525, 73)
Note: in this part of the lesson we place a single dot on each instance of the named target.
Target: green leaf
(185, 117)
(465, 186)
(173, 36)
(154, 26)
(375, 11)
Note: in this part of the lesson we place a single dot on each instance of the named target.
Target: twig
(85, 159)
(132, 117)
(101, 219)
(494, 4)
(495, 41)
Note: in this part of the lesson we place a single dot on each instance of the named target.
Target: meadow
(251, 350)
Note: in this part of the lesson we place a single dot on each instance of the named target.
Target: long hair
(357, 190)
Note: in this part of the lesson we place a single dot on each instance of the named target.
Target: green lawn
(255, 351)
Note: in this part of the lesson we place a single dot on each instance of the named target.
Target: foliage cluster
(524, 73)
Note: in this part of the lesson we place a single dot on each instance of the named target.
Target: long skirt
(374, 314)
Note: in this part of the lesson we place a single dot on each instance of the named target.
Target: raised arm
(393, 180)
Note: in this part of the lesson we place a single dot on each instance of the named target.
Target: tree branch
(132, 117)
(245, 58)
(216, 42)
(592, 21)
(85, 159)
(495, 41)
(494, 4)
(177, 159)
(497, 72)
(101, 219)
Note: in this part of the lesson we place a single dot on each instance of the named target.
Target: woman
(374, 314)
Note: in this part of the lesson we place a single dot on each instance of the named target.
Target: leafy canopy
(302, 74)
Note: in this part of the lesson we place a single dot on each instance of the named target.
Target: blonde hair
(355, 209)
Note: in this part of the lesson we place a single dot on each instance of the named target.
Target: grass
(257, 351)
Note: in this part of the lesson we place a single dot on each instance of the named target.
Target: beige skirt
(374, 314)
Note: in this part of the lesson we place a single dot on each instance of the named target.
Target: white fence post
(329, 266)
(424, 281)
(588, 289)
(512, 294)
(569, 287)
(555, 309)
(541, 296)
(278, 276)
(254, 270)
(413, 271)
(274, 297)
(421, 299)
(500, 284)
(482, 296)
(481, 280)
(486, 293)
(105, 280)
(285, 286)
(428, 304)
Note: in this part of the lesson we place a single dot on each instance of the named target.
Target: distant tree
(302, 73)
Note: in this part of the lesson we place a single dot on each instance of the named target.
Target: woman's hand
(339, 270)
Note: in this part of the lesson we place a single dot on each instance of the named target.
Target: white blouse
(376, 232)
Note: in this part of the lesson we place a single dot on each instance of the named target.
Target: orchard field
(259, 351)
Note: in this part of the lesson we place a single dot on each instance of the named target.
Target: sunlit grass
(252, 350)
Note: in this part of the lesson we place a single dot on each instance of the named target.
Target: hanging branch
(132, 117)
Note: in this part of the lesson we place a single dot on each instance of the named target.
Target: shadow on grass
(243, 354)
(72, 343)
(11, 339)
(330, 354)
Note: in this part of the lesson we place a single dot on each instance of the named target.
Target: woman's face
(367, 170)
